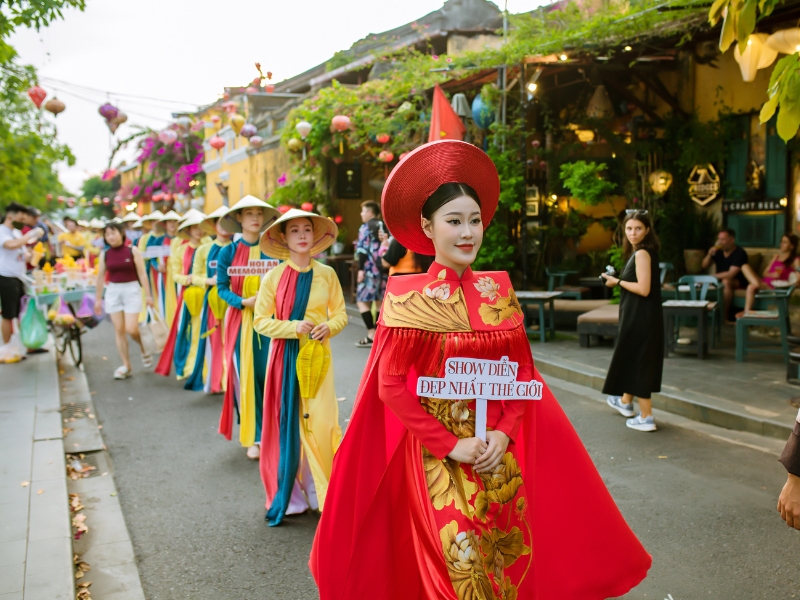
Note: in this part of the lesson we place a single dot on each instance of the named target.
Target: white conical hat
(230, 223)
(208, 223)
(137, 224)
(131, 217)
(96, 224)
(196, 218)
(325, 231)
(192, 212)
(82, 223)
(156, 215)
(171, 216)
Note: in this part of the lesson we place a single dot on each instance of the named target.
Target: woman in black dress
(639, 356)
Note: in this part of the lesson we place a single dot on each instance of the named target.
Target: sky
(154, 57)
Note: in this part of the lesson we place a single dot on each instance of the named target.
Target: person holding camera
(371, 282)
(638, 359)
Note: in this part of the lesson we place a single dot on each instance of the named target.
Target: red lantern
(338, 219)
(385, 156)
(341, 123)
(61, 199)
(217, 142)
(383, 138)
(269, 88)
(403, 155)
(49, 197)
(37, 95)
(284, 208)
(106, 201)
(215, 119)
(307, 206)
(229, 107)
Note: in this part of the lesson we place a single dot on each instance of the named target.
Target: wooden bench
(600, 322)
(568, 311)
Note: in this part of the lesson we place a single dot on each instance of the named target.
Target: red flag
(445, 123)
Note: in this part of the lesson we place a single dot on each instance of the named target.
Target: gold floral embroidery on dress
(504, 307)
(465, 564)
(501, 485)
(456, 415)
(436, 310)
(501, 549)
(447, 483)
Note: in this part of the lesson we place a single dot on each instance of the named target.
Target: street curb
(690, 405)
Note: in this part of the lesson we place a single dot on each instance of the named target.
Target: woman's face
(786, 244)
(71, 226)
(299, 235)
(195, 233)
(171, 227)
(251, 219)
(635, 231)
(456, 230)
(112, 237)
(221, 231)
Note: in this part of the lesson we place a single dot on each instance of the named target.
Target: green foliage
(740, 18)
(617, 259)
(784, 91)
(298, 191)
(585, 181)
(97, 187)
(339, 59)
(497, 252)
(29, 13)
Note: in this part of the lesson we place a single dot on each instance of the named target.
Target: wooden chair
(700, 287)
(766, 318)
(556, 282)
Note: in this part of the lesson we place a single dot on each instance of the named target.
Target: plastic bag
(86, 314)
(33, 327)
(64, 316)
(153, 334)
(13, 351)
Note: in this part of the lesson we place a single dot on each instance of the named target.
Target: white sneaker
(147, 361)
(122, 372)
(640, 423)
(615, 402)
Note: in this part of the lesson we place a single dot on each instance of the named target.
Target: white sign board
(481, 379)
(156, 252)
(254, 267)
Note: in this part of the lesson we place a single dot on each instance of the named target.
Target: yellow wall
(723, 88)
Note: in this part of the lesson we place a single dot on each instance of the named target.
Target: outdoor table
(597, 287)
(341, 264)
(541, 298)
(686, 308)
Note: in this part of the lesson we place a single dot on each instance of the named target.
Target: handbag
(154, 333)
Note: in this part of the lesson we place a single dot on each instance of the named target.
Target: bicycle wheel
(75, 346)
(61, 337)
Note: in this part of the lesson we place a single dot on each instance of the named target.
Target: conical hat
(230, 223)
(96, 224)
(137, 224)
(171, 216)
(194, 219)
(156, 215)
(192, 212)
(131, 217)
(325, 231)
(208, 223)
(82, 223)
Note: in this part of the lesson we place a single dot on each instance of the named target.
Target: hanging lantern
(269, 87)
(96, 200)
(248, 131)
(70, 202)
(303, 128)
(112, 126)
(338, 219)
(229, 107)
(785, 41)
(216, 119)
(383, 138)
(482, 113)
(660, 181)
(37, 95)
(118, 199)
(120, 118)
(284, 208)
(295, 145)
(61, 199)
(536, 143)
(237, 122)
(168, 136)
(55, 106)
(757, 55)
(108, 111)
(341, 123)
(217, 142)
(49, 197)
(307, 206)
(600, 106)
(385, 156)
(251, 90)
(256, 141)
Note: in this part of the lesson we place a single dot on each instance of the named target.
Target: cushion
(579, 306)
(605, 314)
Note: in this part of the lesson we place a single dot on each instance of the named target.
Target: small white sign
(212, 264)
(481, 379)
(156, 252)
(254, 267)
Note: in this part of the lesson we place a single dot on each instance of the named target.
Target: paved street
(704, 507)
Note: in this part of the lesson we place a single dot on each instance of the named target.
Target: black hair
(286, 222)
(793, 240)
(14, 207)
(373, 206)
(650, 241)
(729, 231)
(447, 192)
(117, 226)
(70, 219)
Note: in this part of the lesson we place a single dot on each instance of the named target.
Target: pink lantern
(543, 165)
(269, 88)
(108, 111)
(37, 95)
(383, 138)
(168, 136)
(307, 206)
(218, 143)
(248, 130)
(49, 197)
(256, 141)
(403, 155)
(536, 143)
(118, 199)
(61, 199)
(229, 107)
(70, 202)
(251, 90)
(106, 201)
(385, 156)
(284, 208)
(215, 119)
(341, 123)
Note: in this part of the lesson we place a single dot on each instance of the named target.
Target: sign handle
(480, 418)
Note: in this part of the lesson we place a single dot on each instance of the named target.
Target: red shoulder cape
(377, 537)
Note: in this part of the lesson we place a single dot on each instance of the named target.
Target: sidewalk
(749, 396)
(35, 530)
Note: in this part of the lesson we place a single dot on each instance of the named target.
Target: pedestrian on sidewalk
(246, 351)
(371, 282)
(210, 370)
(421, 503)
(299, 301)
(123, 298)
(638, 359)
(13, 257)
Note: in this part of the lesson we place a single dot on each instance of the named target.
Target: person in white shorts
(124, 266)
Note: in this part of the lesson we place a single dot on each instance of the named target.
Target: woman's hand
(610, 281)
(304, 327)
(98, 306)
(211, 281)
(360, 278)
(149, 301)
(162, 268)
(249, 302)
(320, 332)
(468, 450)
(496, 449)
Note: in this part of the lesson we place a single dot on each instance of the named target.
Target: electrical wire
(94, 102)
(118, 94)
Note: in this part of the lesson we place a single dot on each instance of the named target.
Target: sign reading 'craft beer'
(466, 378)
(254, 267)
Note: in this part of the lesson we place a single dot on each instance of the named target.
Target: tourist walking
(246, 351)
(299, 303)
(419, 506)
(123, 297)
(371, 282)
(638, 360)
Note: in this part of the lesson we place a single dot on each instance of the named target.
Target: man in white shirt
(13, 256)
